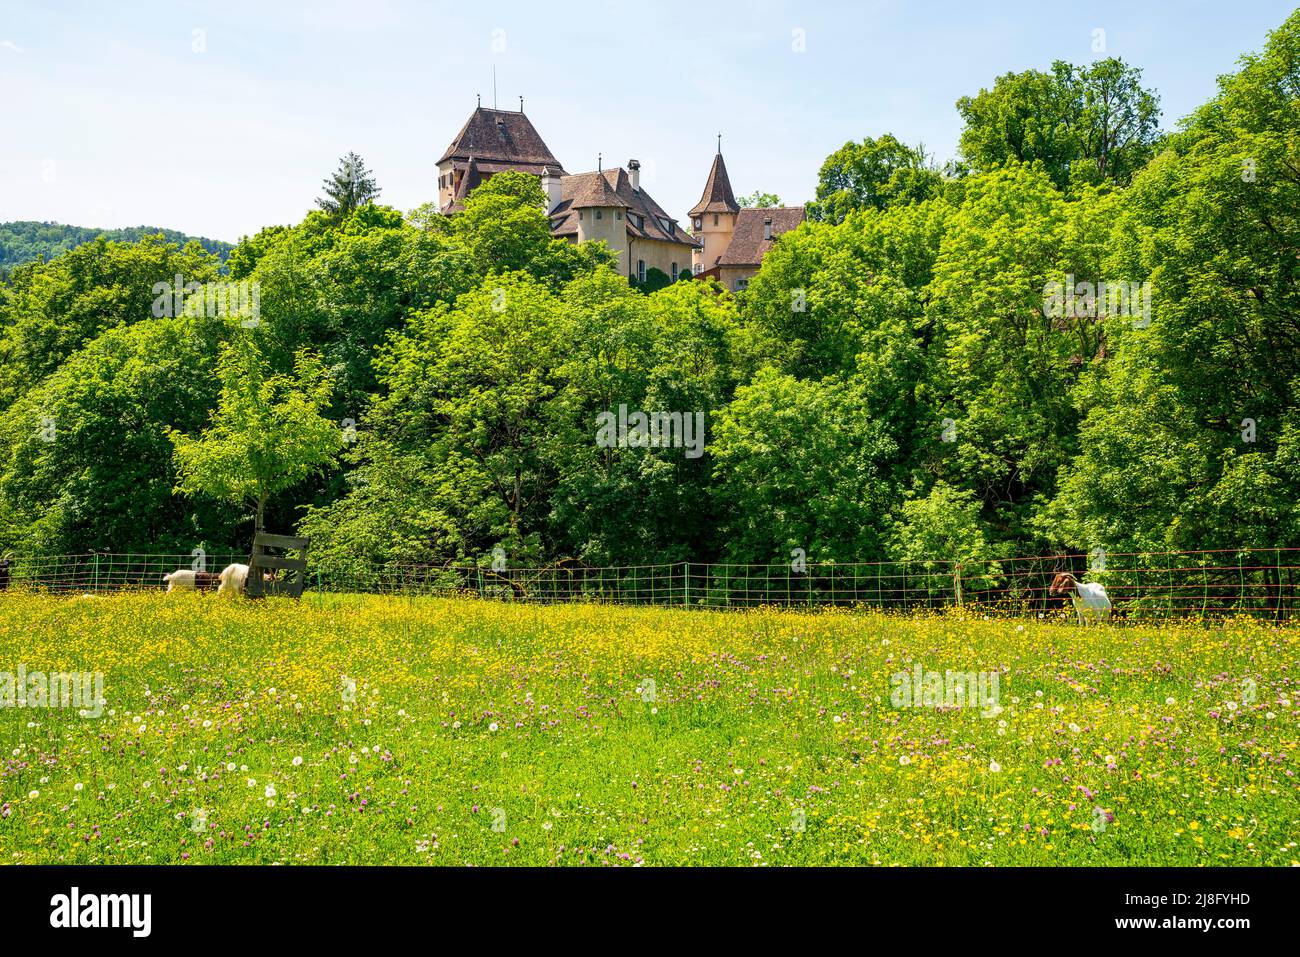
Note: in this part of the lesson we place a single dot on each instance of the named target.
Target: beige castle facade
(725, 241)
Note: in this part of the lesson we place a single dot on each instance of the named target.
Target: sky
(220, 118)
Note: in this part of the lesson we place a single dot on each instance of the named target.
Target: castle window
(618, 214)
(715, 219)
(599, 213)
(640, 270)
(674, 276)
(698, 268)
(580, 214)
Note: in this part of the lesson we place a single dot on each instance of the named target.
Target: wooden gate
(285, 558)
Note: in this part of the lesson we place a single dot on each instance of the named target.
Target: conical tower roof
(718, 197)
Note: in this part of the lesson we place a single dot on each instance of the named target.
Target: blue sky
(121, 114)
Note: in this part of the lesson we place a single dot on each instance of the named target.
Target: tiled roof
(501, 136)
(718, 197)
(747, 246)
(590, 189)
(644, 217)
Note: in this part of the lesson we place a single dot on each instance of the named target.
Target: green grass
(766, 737)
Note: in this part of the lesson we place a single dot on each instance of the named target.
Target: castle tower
(713, 218)
(495, 140)
(600, 211)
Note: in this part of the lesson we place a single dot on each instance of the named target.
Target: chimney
(634, 174)
(767, 229)
(551, 186)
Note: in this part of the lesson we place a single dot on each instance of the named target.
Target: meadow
(370, 730)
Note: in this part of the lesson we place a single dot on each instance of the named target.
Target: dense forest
(21, 242)
(928, 367)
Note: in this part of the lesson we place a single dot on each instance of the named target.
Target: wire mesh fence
(95, 572)
(1140, 585)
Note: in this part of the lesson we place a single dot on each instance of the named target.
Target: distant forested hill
(22, 242)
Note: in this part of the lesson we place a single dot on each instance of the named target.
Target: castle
(725, 242)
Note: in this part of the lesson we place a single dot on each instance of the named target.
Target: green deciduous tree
(874, 174)
(1083, 124)
(941, 530)
(53, 309)
(800, 465)
(504, 224)
(85, 461)
(1168, 457)
(266, 435)
(759, 200)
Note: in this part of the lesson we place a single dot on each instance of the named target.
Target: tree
(1084, 124)
(944, 526)
(873, 174)
(53, 309)
(799, 466)
(671, 352)
(349, 187)
(454, 455)
(504, 224)
(759, 200)
(1190, 435)
(267, 434)
(85, 461)
(245, 256)
(999, 365)
(428, 217)
(1118, 122)
(655, 279)
(825, 292)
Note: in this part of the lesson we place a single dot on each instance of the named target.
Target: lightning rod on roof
(599, 167)
(521, 104)
(719, 143)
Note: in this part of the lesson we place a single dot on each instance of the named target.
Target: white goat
(180, 580)
(185, 579)
(1089, 599)
(233, 580)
